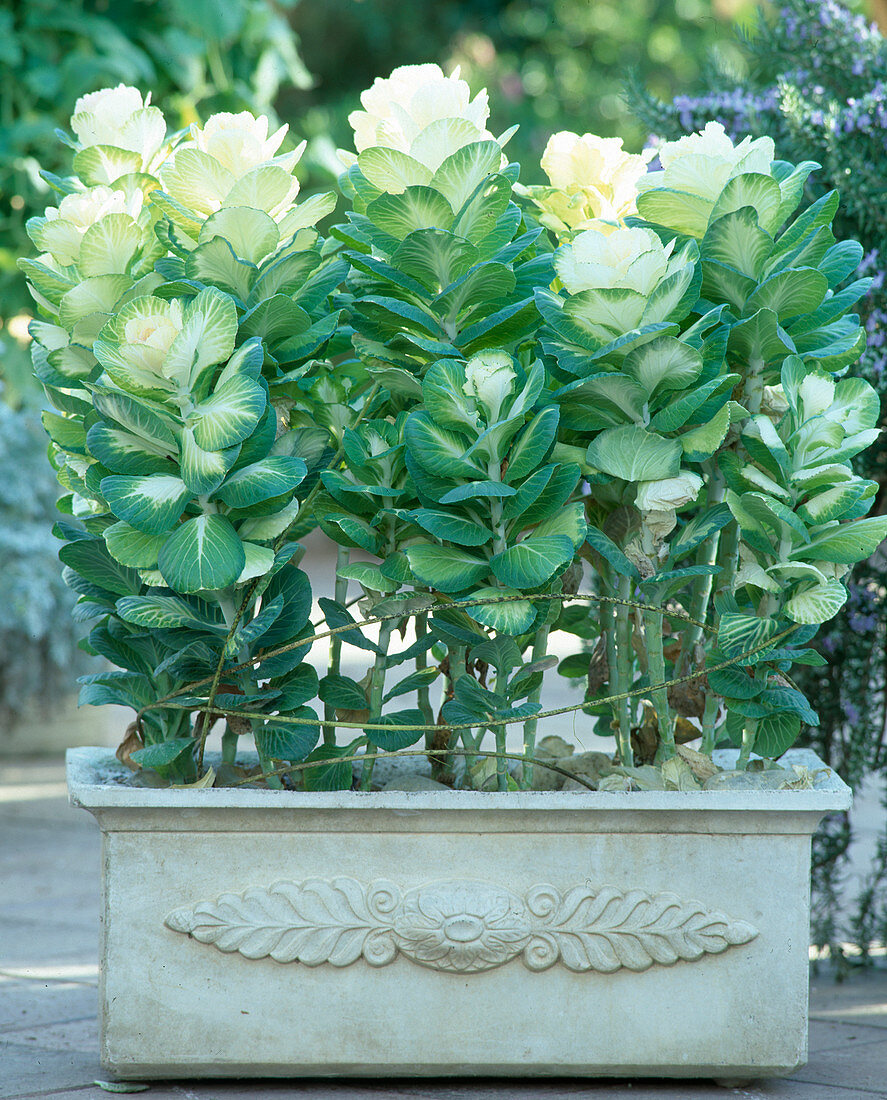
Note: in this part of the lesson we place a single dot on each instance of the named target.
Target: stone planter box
(284, 934)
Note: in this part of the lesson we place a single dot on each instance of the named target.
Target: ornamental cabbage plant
(618, 406)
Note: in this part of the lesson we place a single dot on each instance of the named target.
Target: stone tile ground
(49, 903)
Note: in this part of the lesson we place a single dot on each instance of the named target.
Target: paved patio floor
(49, 907)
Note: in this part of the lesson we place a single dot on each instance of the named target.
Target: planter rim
(95, 774)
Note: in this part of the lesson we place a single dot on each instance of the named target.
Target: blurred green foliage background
(548, 64)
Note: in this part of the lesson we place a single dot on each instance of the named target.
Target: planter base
(283, 934)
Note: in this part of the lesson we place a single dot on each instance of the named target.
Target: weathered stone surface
(590, 765)
(772, 780)
(555, 749)
(462, 882)
(415, 783)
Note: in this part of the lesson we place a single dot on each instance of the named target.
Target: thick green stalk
(607, 619)
(624, 664)
(335, 659)
(540, 645)
(709, 720)
(377, 677)
(470, 744)
(229, 746)
(229, 737)
(441, 741)
(656, 671)
(500, 734)
(728, 557)
(640, 652)
(423, 695)
(749, 734)
(500, 544)
(377, 690)
(728, 560)
(706, 554)
(501, 770)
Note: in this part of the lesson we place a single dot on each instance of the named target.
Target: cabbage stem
(623, 672)
(335, 660)
(656, 671)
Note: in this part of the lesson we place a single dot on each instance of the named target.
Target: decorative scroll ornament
(462, 927)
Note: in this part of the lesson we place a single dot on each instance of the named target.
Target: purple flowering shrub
(819, 89)
(815, 105)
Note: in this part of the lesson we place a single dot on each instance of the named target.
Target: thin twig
(417, 752)
(489, 720)
(406, 614)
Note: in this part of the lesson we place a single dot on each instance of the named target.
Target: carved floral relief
(462, 927)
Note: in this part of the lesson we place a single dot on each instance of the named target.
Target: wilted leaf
(130, 743)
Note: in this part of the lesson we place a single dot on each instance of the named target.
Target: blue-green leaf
(532, 562)
(331, 774)
(439, 450)
(342, 692)
(123, 452)
(203, 471)
(512, 617)
(465, 170)
(845, 543)
(608, 550)
(401, 732)
(445, 568)
(790, 293)
(422, 677)
(417, 207)
(664, 363)
(151, 504)
(272, 477)
(202, 553)
(533, 444)
(817, 604)
(776, 733)
(278, 740)
(131, 547)
(337, 616)
(635, 455)
(739, 634)
(207, 337)
(477, 489)
(170, 612)
(449, 528)
(294, 587)
(229, 414)
(91, 560)
(163, 753)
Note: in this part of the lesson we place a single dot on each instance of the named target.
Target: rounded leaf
(202, 553)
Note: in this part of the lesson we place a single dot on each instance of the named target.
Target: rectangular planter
(285, 934)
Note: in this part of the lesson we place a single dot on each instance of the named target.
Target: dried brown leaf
(130, 743)
(685, 731)
(688, 699)
(700, 764)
